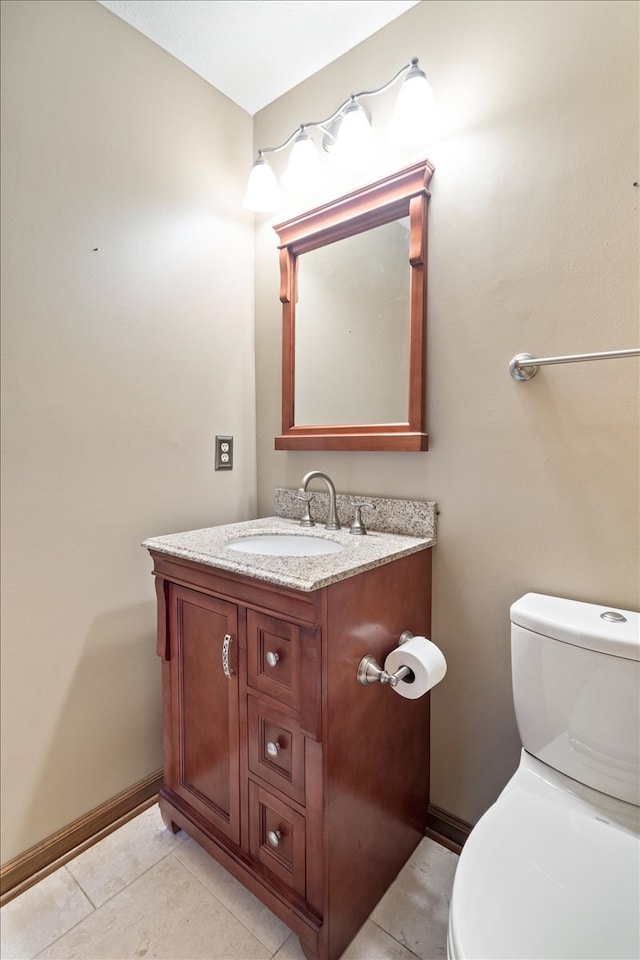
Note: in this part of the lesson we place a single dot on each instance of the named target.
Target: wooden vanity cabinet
(309, 788)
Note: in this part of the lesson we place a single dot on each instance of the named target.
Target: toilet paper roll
(425, 659)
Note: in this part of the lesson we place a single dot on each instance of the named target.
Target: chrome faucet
(332, 518)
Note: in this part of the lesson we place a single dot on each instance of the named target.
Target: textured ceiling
(253, 51)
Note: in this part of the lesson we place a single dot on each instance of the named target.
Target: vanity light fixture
(346, 135)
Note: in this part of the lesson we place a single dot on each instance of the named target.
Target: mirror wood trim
(404, 193)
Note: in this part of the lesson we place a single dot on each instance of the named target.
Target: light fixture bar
(321, 124)
(262, 191)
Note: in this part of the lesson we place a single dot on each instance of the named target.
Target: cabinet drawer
(273, 657)
(277, 837)
(276, 749)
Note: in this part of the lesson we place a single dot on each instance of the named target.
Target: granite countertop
(210, 547)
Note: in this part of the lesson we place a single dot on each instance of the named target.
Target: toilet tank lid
(581, 624)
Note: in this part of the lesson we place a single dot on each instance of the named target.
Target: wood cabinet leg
(168, 822)
(309, 952)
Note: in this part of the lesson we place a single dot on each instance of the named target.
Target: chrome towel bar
(524, 365)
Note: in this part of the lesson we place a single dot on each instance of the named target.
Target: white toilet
(552, 870)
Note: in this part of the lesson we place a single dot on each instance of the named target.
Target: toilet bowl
(552, 869)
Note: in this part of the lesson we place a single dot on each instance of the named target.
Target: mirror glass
(352, 329)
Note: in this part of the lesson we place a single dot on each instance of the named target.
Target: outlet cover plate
(224, 453)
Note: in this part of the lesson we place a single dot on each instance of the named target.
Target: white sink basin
(285, 545)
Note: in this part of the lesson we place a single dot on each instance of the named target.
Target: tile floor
(143, 892)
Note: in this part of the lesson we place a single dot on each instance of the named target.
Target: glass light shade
(304, 172)
(353, 148)
(414, 110)
(263, 193)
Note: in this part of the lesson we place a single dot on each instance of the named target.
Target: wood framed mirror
(353, 287)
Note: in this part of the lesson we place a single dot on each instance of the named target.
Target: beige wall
(533, 247)
(121, 364)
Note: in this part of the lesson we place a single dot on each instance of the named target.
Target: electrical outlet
(224, 453)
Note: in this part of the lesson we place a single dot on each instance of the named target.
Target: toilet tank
(576, 689)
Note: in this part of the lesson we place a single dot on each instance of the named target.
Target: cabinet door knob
(272, 658)
(274, 837)
(273, 748)
(228, 672)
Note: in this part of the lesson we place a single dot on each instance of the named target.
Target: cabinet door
(204, 717)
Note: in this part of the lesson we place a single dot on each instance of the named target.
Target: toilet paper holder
(370, 671)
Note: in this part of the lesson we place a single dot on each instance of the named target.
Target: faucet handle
(357, 527)
(306, 519)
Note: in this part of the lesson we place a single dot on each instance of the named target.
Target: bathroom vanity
(309, 788)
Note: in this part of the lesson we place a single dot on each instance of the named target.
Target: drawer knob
(272, 658)
(273, 748)
(274, 837)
